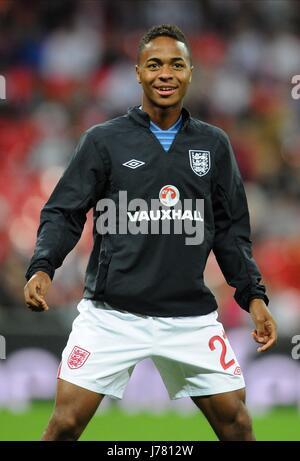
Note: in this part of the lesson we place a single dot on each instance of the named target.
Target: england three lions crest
(200, 161)
(78, 357)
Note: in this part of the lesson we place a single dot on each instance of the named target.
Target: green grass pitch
(114, 424)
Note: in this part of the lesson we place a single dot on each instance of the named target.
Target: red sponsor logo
(237, 371)
(169, 195)
(77, 357)
(168, 191)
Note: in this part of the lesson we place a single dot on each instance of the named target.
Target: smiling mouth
(165, 91)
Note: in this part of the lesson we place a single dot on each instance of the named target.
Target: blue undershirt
(166, 137)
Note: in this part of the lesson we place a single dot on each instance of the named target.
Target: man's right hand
(35, 290)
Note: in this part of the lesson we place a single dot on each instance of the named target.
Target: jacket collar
(143, 118)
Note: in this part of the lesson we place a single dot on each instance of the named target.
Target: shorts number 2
(212, 347)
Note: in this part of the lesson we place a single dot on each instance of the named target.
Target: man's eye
(177, 65)
(152, 66)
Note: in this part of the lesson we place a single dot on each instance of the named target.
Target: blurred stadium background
(69, 65)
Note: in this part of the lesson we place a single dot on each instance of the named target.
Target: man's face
(165, 71)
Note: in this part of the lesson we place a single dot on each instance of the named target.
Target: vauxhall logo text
(164, 215)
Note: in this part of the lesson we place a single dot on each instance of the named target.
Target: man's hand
(265, 332)
(35, 290)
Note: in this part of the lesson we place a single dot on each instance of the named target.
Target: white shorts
(192, 354)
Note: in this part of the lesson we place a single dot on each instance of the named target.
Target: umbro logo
(133, 164)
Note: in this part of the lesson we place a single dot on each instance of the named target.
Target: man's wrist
(43, 274)
(258, 309)
(40, 266)
(258, 299)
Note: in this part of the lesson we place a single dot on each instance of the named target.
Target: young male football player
(144, 291)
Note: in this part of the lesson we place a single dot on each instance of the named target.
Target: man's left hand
(265, 332)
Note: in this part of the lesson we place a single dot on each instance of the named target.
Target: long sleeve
(64, 215)
(232, 244)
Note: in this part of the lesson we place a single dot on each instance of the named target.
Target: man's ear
(190, 79)
(137, 71)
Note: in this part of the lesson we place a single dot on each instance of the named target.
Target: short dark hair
(163, 30)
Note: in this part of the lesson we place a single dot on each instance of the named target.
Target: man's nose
(166, 73)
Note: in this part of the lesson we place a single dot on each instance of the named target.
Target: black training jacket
(152, 274)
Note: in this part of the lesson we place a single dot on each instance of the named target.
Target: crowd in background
(70, 64)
